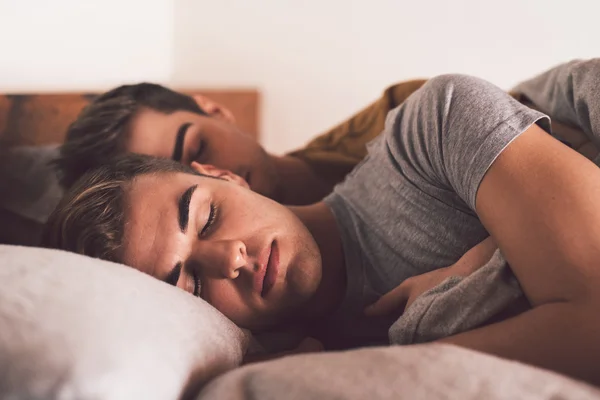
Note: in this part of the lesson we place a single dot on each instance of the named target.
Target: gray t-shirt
(409, 207)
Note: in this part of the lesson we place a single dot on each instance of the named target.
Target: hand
(400, 298)
(214, 109)
(307, 345)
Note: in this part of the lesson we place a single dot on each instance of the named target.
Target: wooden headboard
(38, 119)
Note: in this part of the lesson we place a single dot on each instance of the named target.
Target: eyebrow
(178, 149)
(184, 208)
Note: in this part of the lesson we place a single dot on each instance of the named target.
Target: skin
(228, 255)
(550, 241)
(216, 140)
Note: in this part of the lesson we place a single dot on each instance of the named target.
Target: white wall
(70, 45)
(318, 61)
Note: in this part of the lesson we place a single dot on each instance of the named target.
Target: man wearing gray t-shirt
(459, 160)
(410, 205)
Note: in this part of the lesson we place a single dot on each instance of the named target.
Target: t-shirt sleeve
(570, 93)
(448, 133)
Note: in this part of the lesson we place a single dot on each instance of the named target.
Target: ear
(214, 109)
(211, 170)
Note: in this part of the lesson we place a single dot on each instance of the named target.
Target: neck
(321, 223)
(298, 183)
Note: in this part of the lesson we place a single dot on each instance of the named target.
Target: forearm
(558, 336)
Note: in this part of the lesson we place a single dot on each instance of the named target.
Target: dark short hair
(99, 132)
(90, 219)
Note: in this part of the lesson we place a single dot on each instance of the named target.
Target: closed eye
(210, 220)
(173, 276)
(197, 286)
(179, 140)
(200, 153)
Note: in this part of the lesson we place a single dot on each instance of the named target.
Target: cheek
(227, 155)
(242, 147)
(304, 274)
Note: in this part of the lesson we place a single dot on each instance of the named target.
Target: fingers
(475, 258)
(214, 109)
(395, 300)
(310, 345)
(307, 345)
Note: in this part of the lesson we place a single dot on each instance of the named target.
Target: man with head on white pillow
(458, 161)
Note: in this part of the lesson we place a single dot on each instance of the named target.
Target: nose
(220, 259)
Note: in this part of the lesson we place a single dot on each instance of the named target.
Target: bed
(79, 328)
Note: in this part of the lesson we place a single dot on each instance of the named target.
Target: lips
(268, 267)
(272, 270)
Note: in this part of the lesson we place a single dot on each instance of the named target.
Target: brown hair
(90, 218)
(98, 134)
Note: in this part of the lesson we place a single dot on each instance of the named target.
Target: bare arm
(540, 201)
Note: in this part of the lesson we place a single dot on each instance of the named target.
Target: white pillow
(426, 371)
(73, 327)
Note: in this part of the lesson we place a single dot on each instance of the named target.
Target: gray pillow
(73, 327)
(29, 192)
(28, 183)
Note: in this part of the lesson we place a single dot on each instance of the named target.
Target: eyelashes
(174, 275)
(197, 285)
(212, 215)
(200, 152)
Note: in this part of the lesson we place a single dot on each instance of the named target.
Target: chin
(304, 280)
(300, 293)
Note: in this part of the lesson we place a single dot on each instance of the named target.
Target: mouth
(268, 268)
(271, 271)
